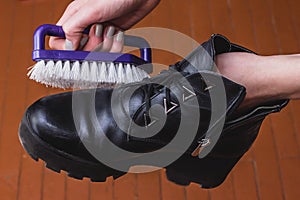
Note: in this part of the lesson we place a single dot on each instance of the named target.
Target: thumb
(60, 43)
(70, 43)
(73, 38)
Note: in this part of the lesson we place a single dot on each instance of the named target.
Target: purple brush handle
(57, 31)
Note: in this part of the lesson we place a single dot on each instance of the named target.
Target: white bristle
(143, 74)
(66, 70)
(57, 75)
(112, 75)
(128, 73)
(75, 71)
(120, 73)
(85, 71)
(94, 73)
(84, 75)
(43, 75)
(64, 79)
(66, 74)
(49, 72)
(140, 74)
(51, 68)
(32, 70)
(58, 68)
(37, 71)
(135, 74)
(102, 72)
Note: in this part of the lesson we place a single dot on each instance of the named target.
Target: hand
(114, 15)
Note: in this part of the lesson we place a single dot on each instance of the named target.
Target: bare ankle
(251, 71)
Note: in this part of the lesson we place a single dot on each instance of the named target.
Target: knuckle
(72, 6)
(67, 29)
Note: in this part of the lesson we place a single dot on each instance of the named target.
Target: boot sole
(77, 168)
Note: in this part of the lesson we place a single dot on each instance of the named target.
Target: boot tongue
(202, 58)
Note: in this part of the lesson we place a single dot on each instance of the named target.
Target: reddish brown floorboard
(270, 170)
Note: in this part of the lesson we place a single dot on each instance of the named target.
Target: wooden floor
(270, 170)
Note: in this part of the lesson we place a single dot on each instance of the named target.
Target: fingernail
(110, 32)
(83, 42)
(98, 48)
(68, 45)
(120, 36)
(98, 30)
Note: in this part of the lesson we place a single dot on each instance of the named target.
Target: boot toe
(50, 122)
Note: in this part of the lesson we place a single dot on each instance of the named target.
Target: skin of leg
(266, 78)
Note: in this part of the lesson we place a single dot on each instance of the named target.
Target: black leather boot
(183, 120)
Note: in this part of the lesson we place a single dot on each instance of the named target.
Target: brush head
(84, 69)
(84, 74)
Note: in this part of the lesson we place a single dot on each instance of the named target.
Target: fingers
(83, 13)
(72, 8)
(108, 40)
(73, 24)
(95, 37)
(118, 43)
(99, 38)
(59, 43)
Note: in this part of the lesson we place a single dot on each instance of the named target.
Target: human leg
(266, 78)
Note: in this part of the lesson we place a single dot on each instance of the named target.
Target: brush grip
(57, 31)
(51, 30)
(142, 44)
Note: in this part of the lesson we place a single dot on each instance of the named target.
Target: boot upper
(143, 116)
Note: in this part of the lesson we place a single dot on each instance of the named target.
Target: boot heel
(177, 178)
(206, 171)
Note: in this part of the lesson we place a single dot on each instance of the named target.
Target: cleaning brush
(86, 69)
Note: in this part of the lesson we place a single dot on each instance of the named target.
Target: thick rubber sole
(58, 160)
(183, 171)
